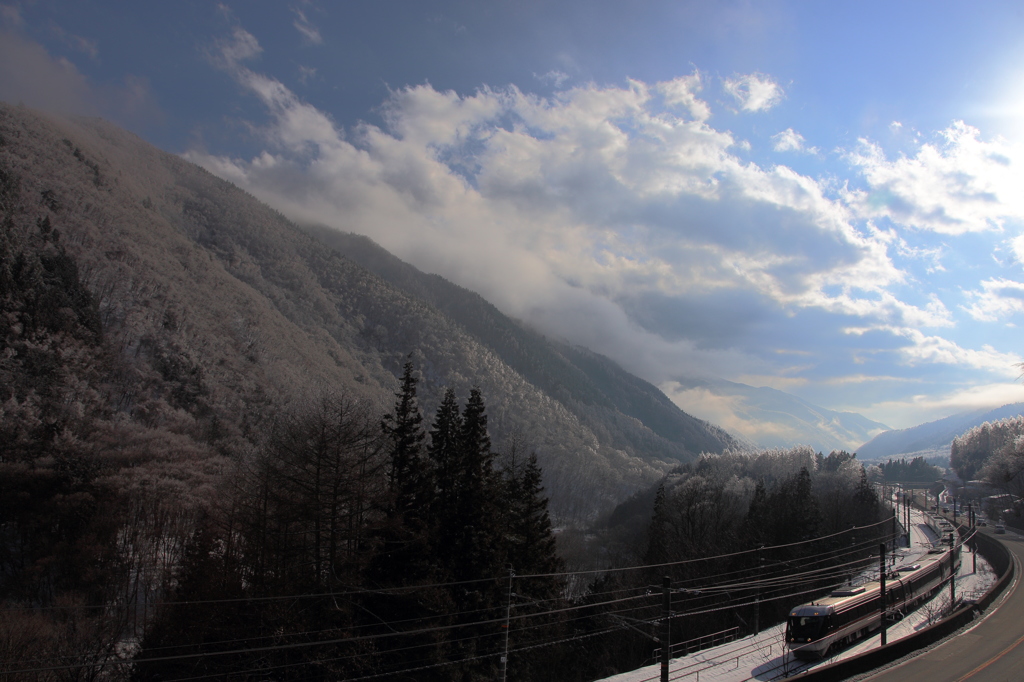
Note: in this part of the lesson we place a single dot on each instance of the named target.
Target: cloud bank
(620, 218)
(30, 75)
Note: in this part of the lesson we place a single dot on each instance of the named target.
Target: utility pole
(508, 617)
(908, 500)
(757, 597)
(666, 625)
(894, 530)
(952, 573)
(881, 580)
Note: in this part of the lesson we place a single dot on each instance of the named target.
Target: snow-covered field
(764, 656)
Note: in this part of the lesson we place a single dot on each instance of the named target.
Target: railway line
(765, 657)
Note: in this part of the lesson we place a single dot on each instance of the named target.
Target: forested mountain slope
(594, 388)
(209, 312)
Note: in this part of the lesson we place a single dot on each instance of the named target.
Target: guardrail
(1002, 563)
(680, 649)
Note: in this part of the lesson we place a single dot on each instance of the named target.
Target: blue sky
(825, 198)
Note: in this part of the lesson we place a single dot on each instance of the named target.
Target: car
(945, 510)
(982, 522)
(1000, 529)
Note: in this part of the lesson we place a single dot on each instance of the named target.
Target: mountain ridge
(202, 287)
(768, 417)
(935, 435)
(555, 366)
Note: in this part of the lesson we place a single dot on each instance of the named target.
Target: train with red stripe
(851, 613)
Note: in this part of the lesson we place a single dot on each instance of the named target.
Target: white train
(848, 614)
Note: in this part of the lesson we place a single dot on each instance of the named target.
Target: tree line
(395, 539)
(749, 520)
(998, 443)
(916, 469)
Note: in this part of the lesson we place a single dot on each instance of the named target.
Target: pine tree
(530, 549)
(865, 501)
(529, 543)
(477, 523)
(404, 554)
(757, 527)
(444, 453)
(409, 481)
(803, 517)
(657, 536)
(467, 515)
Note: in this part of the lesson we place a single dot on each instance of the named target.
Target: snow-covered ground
(764, 656)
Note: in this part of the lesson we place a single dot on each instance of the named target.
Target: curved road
(992, 650)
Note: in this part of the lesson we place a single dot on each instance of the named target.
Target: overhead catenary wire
(355, 591)
(575, 607)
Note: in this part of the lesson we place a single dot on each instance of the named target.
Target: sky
(826, 198)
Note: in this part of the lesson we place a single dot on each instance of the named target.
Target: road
(990, 651)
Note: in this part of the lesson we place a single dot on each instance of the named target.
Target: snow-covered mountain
(767, 417)
(933, 436)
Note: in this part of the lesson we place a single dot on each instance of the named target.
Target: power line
(825, 572)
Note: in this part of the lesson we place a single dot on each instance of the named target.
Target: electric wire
(749, 585)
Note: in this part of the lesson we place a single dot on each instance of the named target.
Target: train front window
(804, 628)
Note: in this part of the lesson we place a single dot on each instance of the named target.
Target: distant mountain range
(933, 438)
(767, 417)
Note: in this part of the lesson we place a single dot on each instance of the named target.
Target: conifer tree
(529, 549)
(444, 453)
(477, 522)
(402, 556)
(804, 516)
(865, 501)
(408, 472)
(468, 526)
(656, 533)
(757, 526)
(531, 543)
(527, 537)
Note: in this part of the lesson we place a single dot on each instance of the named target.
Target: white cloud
(1017, 246)
(576, 210)
(923, 407)
(754, 92)
(682, 92)
(88, 47)
(553, 78)
(925, 349)
(310, 33)
(306, 73)
(732, 414)
(30, 75)
(962, 184)
(229, 53)
(791, 141)
(998, 299)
